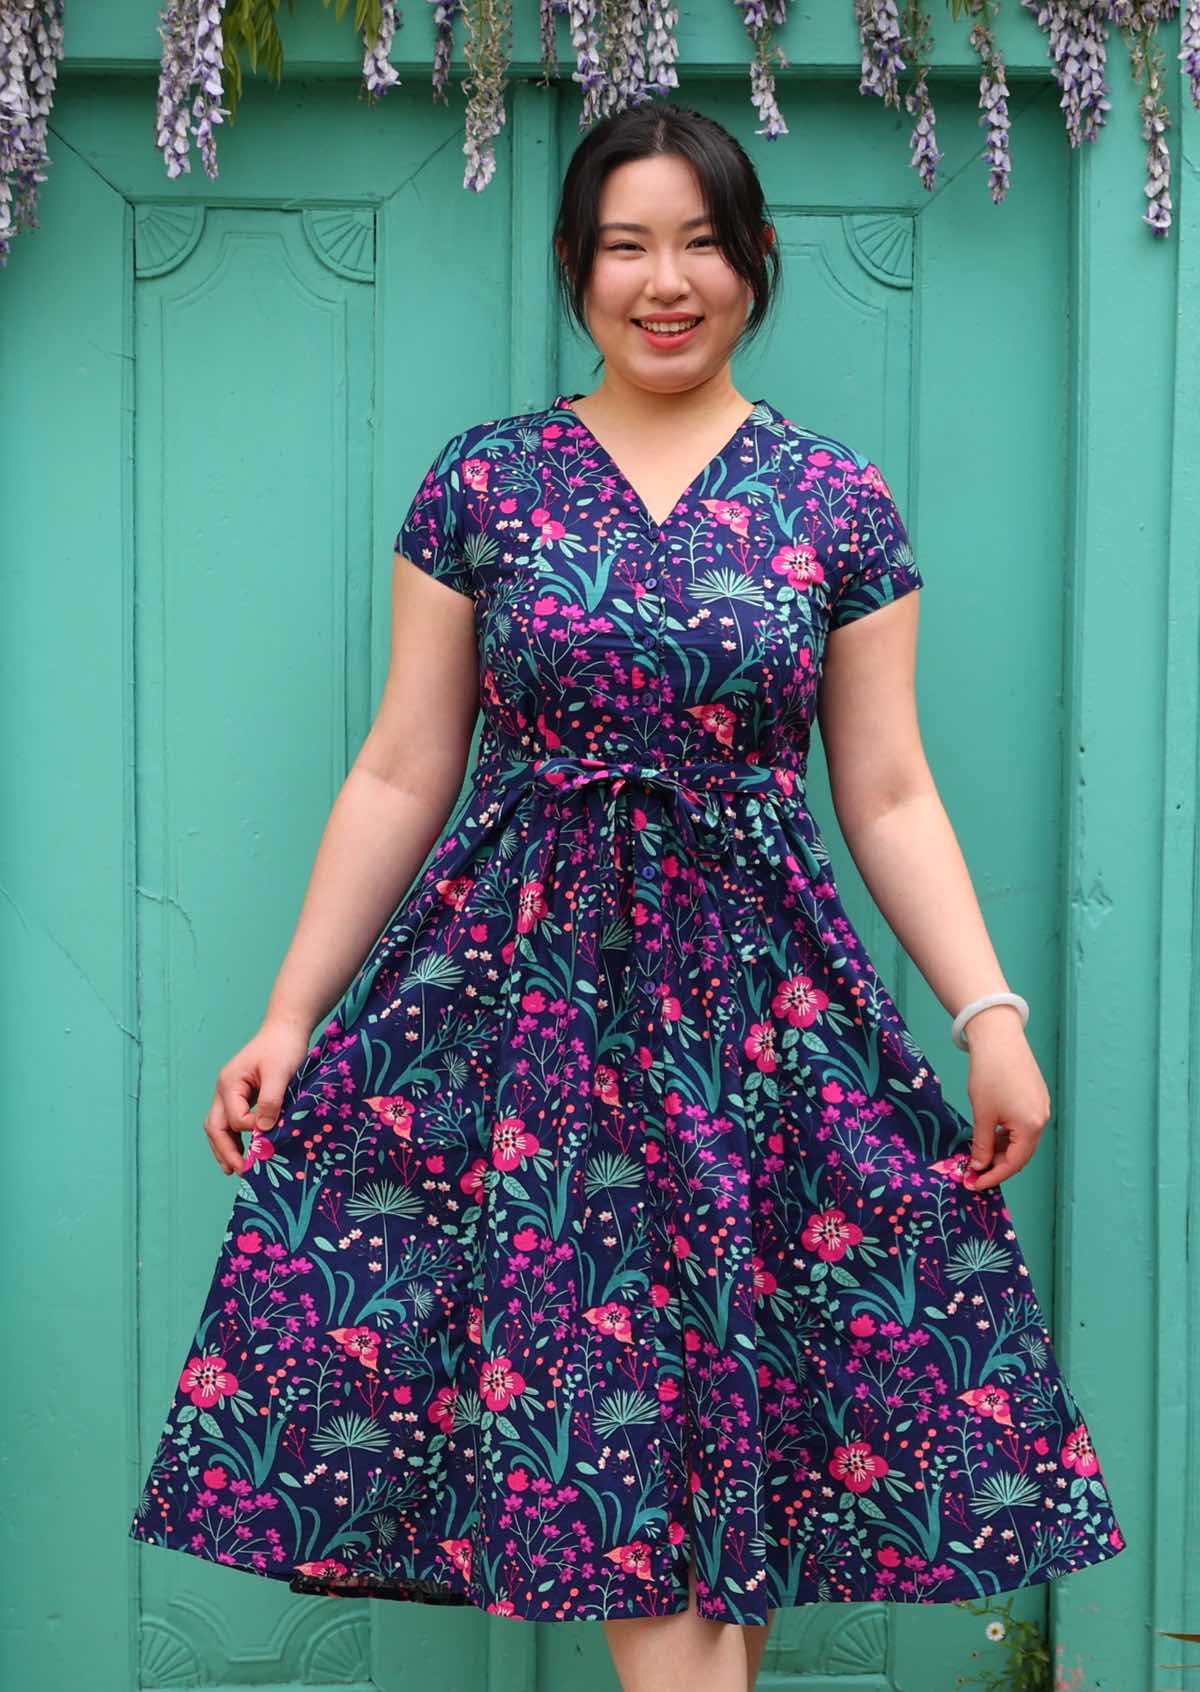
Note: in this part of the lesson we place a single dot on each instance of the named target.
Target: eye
(616, 246)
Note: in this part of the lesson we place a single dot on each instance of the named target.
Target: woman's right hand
(262, 1068)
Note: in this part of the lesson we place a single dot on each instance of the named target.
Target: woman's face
(657, 257)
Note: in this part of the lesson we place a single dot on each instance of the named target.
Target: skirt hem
(417, 1590)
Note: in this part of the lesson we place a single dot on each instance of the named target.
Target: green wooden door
(217, 399)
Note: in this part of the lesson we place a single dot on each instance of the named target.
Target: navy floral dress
(616, 1218)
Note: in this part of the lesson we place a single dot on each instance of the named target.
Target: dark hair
(729, 186)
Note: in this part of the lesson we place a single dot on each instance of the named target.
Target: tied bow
(693, 789)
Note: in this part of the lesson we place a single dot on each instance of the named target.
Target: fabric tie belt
(694, 789)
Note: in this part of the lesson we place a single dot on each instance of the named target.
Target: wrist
(993, 1021)
(291, 1016)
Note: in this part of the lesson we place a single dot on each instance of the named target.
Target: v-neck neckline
(563, 403)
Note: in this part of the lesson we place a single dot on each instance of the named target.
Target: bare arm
(902, 841)
(892, 816)
(396, 797)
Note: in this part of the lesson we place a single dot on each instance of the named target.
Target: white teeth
(668, 328)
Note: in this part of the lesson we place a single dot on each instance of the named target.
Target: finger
(225, 1141)
(1014, 1155)
(266, 1108)
(234, 1091)
(983, 1143)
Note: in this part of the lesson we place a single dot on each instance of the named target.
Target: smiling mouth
(677, 327)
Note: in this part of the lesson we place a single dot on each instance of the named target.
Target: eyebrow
(640, 228)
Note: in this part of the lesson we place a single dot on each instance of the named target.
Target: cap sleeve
(876, 562)
(431, 535)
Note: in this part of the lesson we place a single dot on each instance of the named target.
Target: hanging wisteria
(625, 53)
(31, 50)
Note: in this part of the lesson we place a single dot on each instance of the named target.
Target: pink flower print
(548, 528)
(830, 1235)
(797, 1000)
(1077, 1452)
(889, 1557)
(857, 1466)
(207, 1379)
(604, 1084)
(611, 1318)
(862, 1327)
(799, 564)
(871, 480)
(518, 1480)
(717, 719)
(512, 1141)
(501, 1607)
(956, 1166)
(669, 1007)
(402, 1394)
(472, 1183)
(456, 890)
(499, 1383)
(633, 1558)
(989, 1401)
(729, 512)
(358, 1342)
(526, 1239)
(759, 1044)
(395, 1110)
(489, 690)
(659, 1294)
(250, 1242)
(326, 1568)
(475, 1324)
(764, 1282)
(459, 1553)
(474, 472)
(531, 907)
(260, 1149)
(216, 1478)
(552, 741)
(441, 1411)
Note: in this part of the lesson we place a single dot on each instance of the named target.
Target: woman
(614, 1254)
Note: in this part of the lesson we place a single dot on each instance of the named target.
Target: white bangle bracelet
(957, 1026)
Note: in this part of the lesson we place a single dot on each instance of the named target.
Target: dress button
(651, 581)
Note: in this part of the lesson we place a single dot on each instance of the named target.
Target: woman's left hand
(1010, 1102)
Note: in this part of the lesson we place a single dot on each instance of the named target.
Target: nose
(668, 280)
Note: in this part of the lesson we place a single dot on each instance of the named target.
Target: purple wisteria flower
(993, 97)
(192, 57)
(31, 50)
(760, 19)
(1189, 47)
(882, 41)
(1078, 36)
(1077, 31)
